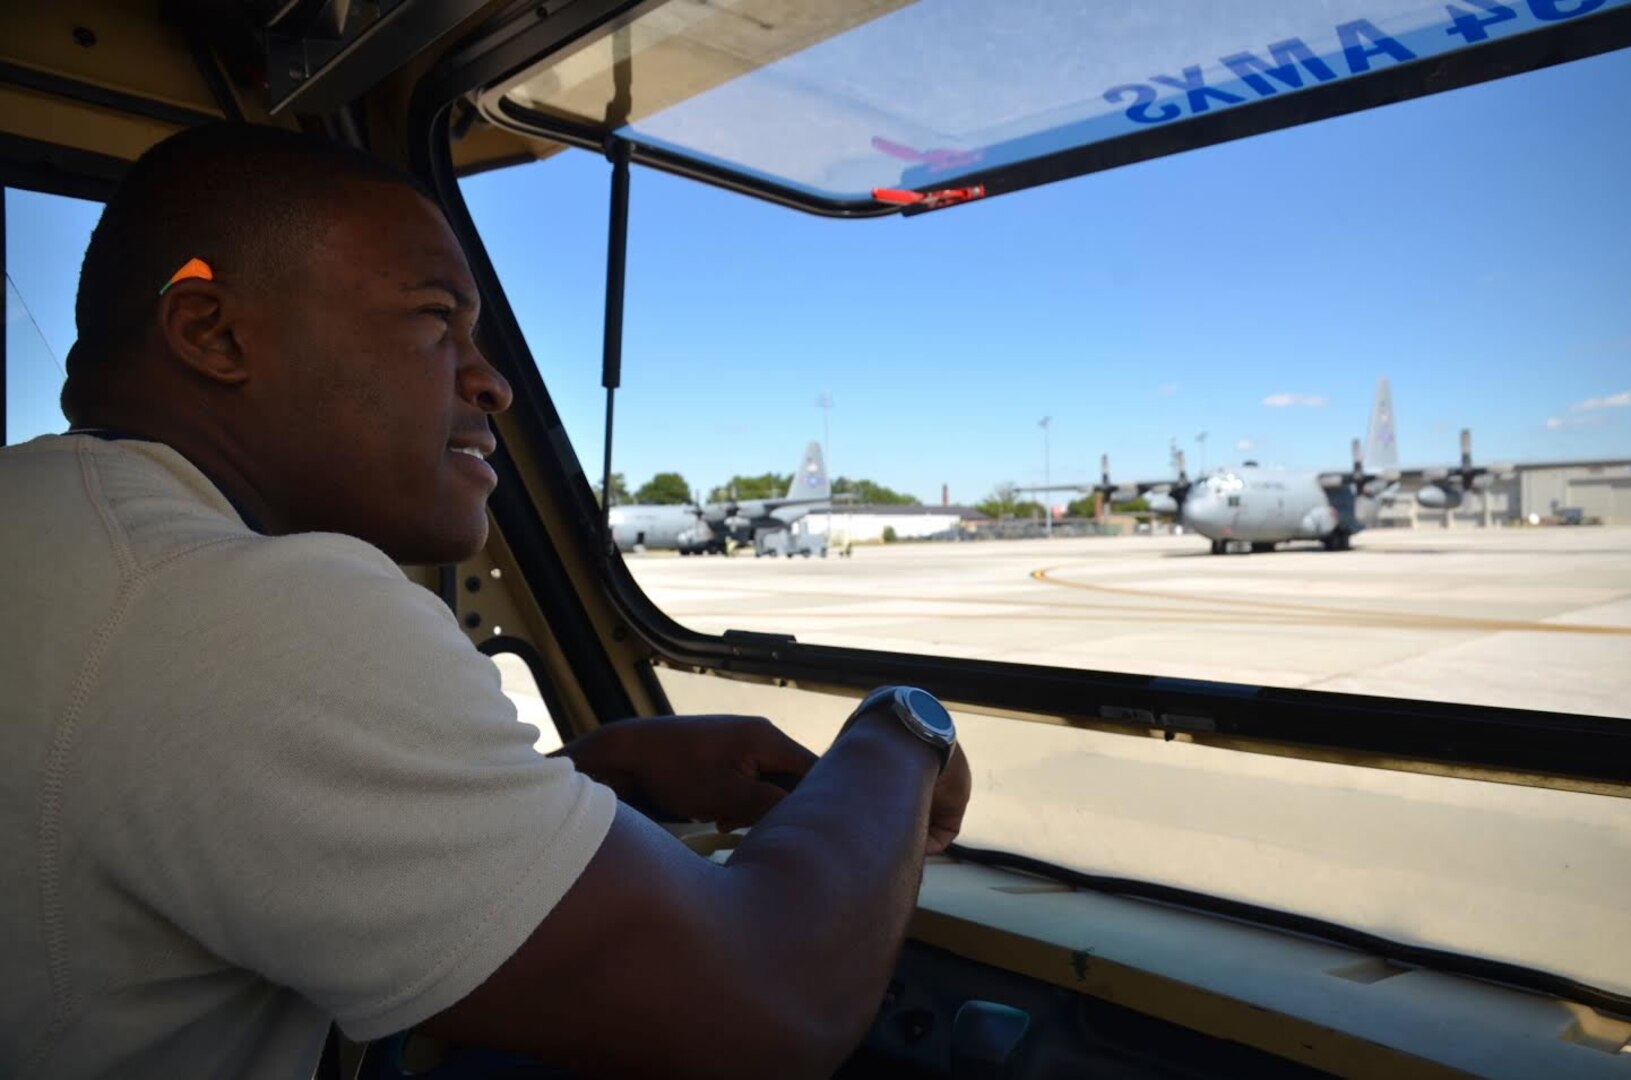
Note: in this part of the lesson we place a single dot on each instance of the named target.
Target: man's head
(327, 376)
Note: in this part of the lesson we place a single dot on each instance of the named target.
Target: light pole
(824, 403)
(1047, 511)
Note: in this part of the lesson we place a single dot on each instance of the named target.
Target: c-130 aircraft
(709, 528)
(1258, 508)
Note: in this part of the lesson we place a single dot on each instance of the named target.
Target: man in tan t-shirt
(256, 781)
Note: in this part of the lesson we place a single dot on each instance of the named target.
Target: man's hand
(950, 798)
(706, 768)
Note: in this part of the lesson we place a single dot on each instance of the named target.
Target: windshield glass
(838, 99)
(1396, 277)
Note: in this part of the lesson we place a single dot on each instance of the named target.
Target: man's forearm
(835, 869)
(827, 880)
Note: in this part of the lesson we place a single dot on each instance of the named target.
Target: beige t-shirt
(249, 784)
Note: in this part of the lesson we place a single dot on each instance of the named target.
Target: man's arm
(660, 963)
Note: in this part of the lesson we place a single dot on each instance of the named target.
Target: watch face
(930, 712)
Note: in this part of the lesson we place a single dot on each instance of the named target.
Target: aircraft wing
(1121, 491)
(777, 504)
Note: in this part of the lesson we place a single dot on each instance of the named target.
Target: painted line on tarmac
(1263, 610)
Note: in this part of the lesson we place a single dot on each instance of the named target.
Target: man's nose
(482, 386)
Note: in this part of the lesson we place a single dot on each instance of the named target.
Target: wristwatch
(919, 712)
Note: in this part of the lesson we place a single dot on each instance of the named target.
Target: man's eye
(443, 313)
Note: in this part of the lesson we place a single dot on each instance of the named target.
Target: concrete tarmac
(1536, 618)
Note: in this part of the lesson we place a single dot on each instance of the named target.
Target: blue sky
(1473, 247)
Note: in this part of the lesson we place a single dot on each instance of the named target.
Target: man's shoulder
(304, 570)
(155, 507)
(141, 498)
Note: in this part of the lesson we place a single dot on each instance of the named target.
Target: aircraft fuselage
(657, 528)
(1259, 505)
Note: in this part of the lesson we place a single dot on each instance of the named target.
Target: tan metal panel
(73, 124)
(134, 51)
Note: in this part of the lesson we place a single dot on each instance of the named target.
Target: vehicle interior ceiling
(1018, 964)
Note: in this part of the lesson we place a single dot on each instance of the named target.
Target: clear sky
(1473, 247)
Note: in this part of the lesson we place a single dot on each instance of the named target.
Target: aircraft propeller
(1169, 494)
(1363, 482)
(1111, 491)
(1176, 490)
(1465, 477)
(1369, 483)
(1108, 489)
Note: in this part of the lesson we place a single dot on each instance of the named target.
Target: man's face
(367, 389)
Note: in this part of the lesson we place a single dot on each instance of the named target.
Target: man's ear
(197, 322)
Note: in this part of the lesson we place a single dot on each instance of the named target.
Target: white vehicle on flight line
(1259, 507)
(710, 528)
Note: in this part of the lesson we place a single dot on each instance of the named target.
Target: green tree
(998, 504)
(1084, 507)
(664, 489)
(1080, 508)
(1004, 502)
(889, 534)
(620, 491)
(871, 494)
(764, 486)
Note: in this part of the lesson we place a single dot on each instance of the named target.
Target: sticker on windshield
(1361, 48)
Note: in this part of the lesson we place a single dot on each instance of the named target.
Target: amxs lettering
(1290, 62)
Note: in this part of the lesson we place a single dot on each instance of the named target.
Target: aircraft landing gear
(1220, 547)
(1262, 548)
(1337, 541)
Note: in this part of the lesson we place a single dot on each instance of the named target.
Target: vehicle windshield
(1393, 276)
(1012, 402)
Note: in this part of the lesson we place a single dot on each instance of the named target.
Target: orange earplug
(192, 268)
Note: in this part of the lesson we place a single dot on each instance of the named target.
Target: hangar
(1537, 492)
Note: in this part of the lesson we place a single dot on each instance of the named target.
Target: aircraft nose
(1204, 514)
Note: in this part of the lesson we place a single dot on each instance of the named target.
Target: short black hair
(248, 199)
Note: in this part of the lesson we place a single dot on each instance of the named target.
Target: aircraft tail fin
(1381, 443)
(810, 482)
